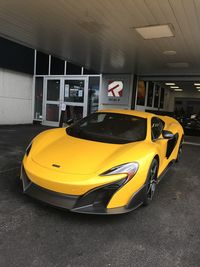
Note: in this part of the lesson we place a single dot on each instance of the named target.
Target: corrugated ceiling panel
(98, 34)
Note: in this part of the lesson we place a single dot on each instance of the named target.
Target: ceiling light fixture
(198, 90)
(197, 84)
(169, 52)
(198, 87)
(155, 31)
(169, 83)
(174, 87)
(178, 90)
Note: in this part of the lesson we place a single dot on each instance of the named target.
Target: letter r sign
(115, 88)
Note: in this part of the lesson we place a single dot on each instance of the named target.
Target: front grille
(45, 195)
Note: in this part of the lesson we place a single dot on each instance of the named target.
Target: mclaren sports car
(109, 162)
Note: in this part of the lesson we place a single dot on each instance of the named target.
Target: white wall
(15, 97)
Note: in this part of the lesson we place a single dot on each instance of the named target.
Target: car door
(157, 126)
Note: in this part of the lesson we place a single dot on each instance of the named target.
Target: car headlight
(129, 169)
(28, 149)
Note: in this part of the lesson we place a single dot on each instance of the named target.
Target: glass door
(65, 91)
(52, 104)
(74, 96)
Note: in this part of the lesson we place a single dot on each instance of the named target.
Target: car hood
(78, 156)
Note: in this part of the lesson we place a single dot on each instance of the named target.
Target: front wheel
(179, 155)
(151, 182)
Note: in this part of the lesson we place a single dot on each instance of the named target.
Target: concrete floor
(166, 233)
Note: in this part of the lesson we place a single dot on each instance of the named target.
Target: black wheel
(151, 182)
(179, 155)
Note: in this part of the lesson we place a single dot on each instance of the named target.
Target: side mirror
(70, 121)
(167, 134)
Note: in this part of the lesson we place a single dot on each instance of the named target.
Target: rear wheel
(151, 182)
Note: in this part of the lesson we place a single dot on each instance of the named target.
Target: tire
(179, 155)
(151, 182)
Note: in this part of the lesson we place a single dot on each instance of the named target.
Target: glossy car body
(82, 172)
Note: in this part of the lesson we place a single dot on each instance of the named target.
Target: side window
(157, 126)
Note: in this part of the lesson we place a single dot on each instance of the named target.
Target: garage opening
(179, 98)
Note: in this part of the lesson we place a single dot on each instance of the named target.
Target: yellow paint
(82, 161)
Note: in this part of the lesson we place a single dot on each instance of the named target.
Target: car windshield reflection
(110, 128)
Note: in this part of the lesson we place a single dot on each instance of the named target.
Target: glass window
(16, 57)
(52, 112)
(86, 72)
(57, 66)
(150, 94)
(42, 63)
(162, 97)
(104, 127)
(38, 98)
(157, 126)
(53, 90)
(74, 91)
(73, 112)
(141, 92)
(93, 94)
(156, 96)
(73, 69)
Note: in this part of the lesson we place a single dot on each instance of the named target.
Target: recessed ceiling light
(198, 90)
(169, 52)
(178, 90)
(174, 87)
(169, 83)
(178, 65)
(197, 84)
(198, 87)
(155, 31)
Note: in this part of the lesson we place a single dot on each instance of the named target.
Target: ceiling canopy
(105, 35)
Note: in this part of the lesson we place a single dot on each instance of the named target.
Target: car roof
(137, 113)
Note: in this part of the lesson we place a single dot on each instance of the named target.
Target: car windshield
(110, 128)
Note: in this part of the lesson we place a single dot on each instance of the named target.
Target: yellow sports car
(109, 162)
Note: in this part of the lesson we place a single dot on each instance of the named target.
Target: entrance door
(75, 96)
(71, 91)
(52, 104)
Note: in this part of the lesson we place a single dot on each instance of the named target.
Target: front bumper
(45, 195)
(93, 202)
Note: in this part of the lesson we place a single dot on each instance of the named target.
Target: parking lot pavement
(166, 233)
(195, 140)
(13, 142)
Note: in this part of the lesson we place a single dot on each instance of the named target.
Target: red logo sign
(115, 88)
